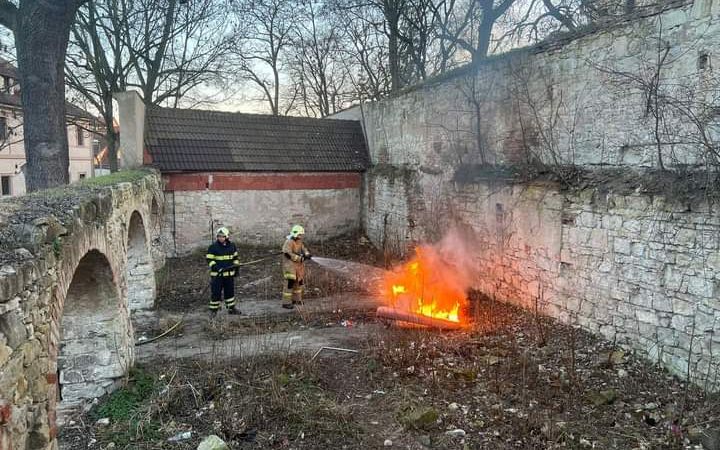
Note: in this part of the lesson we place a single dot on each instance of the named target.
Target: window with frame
(80, 135)
(5, 185)
(3, 129)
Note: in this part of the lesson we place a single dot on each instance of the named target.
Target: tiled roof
(13, 99)
(71, 111)
(185, 140)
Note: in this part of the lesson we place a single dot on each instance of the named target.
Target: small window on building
(82, 176)
(5, 185)
(80, 136)
(3, 129)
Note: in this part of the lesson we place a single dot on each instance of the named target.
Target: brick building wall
(258, 208)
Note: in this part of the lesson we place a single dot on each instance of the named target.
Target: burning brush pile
(431, 289)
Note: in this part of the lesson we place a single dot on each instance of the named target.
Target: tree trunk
(392, 17)
(41, 38)
(484, 37)
(110, 134)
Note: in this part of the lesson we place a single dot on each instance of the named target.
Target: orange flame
(427, 285)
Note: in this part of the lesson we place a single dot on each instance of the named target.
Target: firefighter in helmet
(222, 257)
(294, 254)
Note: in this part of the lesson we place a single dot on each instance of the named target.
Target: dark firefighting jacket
(222, 259)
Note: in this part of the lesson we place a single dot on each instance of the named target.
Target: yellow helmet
(222, 231)
(297, 230)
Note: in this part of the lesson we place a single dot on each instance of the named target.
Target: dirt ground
(512, 381)
(183, 283)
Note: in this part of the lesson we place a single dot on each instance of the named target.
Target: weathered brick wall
(259, 209)
(638, 268)
(65, 283)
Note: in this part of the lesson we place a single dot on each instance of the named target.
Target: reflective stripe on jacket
(293, 267)
(222, 256)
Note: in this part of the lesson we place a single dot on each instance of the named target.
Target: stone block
(622, 246)
(672, 278)
(701, 287)
(683, 307)
(612, 222)
(666, 336)
(11, 305)
(638, 249)
(13, 328)
(633, 227)
(81, 391)
(662, 303)
(639, 203)
(681, 323)
(5, 353)
(31, 351)
(647, 316)
(70, 377)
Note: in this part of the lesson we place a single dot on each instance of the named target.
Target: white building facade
(12, 148)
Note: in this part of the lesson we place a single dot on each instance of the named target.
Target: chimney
(131, 111)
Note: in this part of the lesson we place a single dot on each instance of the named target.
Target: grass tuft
(123, 403)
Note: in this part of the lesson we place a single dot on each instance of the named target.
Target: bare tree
(165, 49)
(418, 38)
(175, 46)
(474, 31)
(263, 31)
(41, 31)
(316, 64)
(384, 17)
(363, 48)
(97, 62)
(450, 23)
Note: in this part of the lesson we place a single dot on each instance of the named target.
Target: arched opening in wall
(140, 273)
(95, 344)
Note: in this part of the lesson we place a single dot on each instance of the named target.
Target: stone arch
(95, 339)
(140, 274)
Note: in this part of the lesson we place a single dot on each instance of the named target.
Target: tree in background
(320, 76)
(165, 49)
(363, 48)
(263, 31)
(41, 30)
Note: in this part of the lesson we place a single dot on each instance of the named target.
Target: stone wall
(637, 267)
(65, 331)
(260, 210)
(571, 100)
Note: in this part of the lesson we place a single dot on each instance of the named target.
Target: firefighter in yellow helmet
(294, 254)
(222, 257)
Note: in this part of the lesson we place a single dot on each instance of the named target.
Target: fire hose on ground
(172, 328)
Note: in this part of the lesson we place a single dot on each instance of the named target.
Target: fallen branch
(334, 349)
(404, 316)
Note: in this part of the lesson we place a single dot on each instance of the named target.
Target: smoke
(458, 248)
(436, 280)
